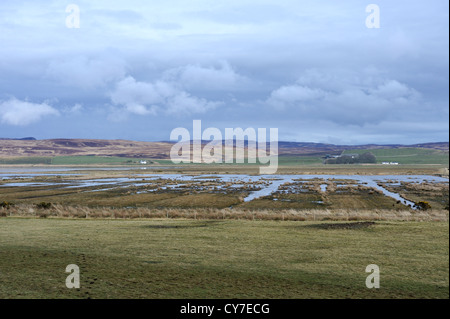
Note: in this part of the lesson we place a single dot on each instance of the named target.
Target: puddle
(196, 225)
(356, 225)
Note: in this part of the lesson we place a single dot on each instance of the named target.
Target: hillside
(160, 150)
(83, 147)
(301, 149)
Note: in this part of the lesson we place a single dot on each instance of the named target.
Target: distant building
(330, 156)
(143, 162)
(338, 156)
(389, 163)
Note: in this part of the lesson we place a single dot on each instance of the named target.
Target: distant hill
(83, 147)
(19, 139)
(299, 148)
(26, 147)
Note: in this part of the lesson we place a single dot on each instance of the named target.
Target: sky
(136, 70)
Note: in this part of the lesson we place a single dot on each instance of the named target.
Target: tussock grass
(64, 211)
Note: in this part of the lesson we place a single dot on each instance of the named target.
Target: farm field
(407, 155)
(222, 259)
(288, 157)
(69, 160)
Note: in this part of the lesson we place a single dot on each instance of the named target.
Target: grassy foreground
(222, 258)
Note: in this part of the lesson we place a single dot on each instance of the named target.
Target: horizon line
(203, 140)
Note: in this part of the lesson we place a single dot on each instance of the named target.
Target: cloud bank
(138, 69)
(20, 113)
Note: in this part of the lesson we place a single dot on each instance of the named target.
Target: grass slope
(74, 160)
(407, 155)
(221, 259)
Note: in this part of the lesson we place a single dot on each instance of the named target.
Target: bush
(6, 205)
(367, 157)
(422, 205)
(44, 205)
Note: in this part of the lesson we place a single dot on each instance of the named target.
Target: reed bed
(65, 211)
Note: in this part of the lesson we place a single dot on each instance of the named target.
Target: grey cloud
(290, 64)
(128, 17)
(74, 109)
(128, 90)
(86, 73)
(20, 113)
(145, 98)
(166, 25)
(395, 91)
(184, 103)
(294, 94)
(345, 99)
(244, 14)
(194, 76)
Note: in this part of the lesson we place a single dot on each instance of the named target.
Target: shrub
(422, 205)
(44, 205)
(6, 204)
(367, 157)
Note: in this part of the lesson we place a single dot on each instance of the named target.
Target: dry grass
(60, 211)
(435, 193)
(203, 259)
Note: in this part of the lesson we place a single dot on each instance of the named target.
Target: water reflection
(265, 184)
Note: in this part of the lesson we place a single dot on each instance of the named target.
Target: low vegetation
(44, 205)
(25, 160)
(204, 241)
(6, 204)
(197, 259)
(64, 211)
(408, 155)
(364, 158)
(422, 205)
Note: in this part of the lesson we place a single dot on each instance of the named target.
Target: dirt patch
(197, 225)
(356, 225)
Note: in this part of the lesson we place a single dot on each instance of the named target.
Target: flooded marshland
(141, 186)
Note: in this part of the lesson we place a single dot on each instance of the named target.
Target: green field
(299, 160)
(221, 259)
(26, 160)
(74, 160)
(402, 155)
(407, 155)
(71, 160)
